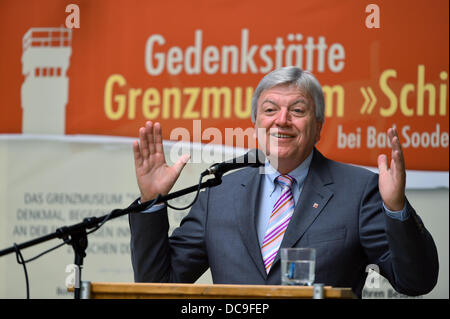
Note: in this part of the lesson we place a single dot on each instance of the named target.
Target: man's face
(289, 122)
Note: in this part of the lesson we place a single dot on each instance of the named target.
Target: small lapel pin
(315, 205)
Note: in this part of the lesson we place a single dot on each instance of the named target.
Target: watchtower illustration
(44, 93)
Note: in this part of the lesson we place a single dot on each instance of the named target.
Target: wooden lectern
(109, 290)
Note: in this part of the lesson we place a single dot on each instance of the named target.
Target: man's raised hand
(153, 174)
(392, 180)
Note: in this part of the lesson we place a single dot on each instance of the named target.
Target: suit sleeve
(404, 250)
(157, 258)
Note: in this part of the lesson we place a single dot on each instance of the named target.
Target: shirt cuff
(154, 208)
(400, 215)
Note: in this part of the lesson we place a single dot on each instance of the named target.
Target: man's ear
(318, 131)
(255, 127)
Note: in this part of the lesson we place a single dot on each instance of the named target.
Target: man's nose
(282, 117)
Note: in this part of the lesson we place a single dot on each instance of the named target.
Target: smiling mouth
(279, 135)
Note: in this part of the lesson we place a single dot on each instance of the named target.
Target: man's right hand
(153, 174)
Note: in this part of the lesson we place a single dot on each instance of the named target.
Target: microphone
(253, 158)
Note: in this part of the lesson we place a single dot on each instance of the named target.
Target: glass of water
(298, 266)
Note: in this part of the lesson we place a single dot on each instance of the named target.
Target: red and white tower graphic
(44, 94)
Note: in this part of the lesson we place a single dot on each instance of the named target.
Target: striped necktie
(278, 222)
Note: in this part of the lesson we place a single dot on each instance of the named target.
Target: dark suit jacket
(348, 228)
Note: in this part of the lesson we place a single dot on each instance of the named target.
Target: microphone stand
(78, 235)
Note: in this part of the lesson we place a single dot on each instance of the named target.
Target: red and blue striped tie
(278, 222)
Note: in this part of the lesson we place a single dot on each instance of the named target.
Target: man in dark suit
(351, 216)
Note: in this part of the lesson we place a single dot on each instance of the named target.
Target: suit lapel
(245, 199)
(312, 200)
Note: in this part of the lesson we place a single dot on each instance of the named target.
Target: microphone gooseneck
(253, 158)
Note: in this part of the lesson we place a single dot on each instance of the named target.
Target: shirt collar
(299, 173)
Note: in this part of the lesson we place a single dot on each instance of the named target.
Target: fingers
(397, 152)
(138, 160)
(382, 163)
(179, 165)
(143, 143)
(158, 139)
(392, 179)
(394, 139)
(397, 160)
(150, 138)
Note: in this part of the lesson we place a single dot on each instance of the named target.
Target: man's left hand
(392, 179)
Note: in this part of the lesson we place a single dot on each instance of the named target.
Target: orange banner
(105, 67)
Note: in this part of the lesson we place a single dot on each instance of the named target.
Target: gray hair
(303, 80)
